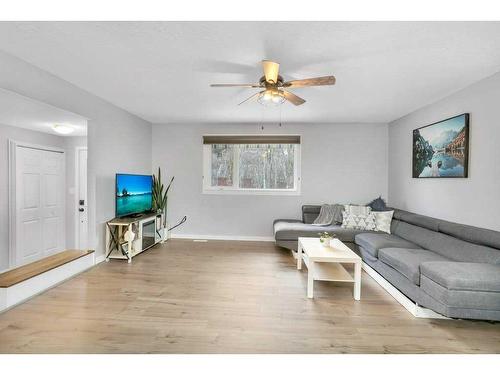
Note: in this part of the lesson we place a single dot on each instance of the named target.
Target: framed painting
(441, 149)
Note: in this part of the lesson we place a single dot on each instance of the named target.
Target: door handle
(81, 209)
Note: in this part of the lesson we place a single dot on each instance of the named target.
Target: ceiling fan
(274, 86)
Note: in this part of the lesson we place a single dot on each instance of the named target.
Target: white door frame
(13, 144)
(77, 195)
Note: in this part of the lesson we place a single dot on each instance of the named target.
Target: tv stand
(129, 236)
(134, 216)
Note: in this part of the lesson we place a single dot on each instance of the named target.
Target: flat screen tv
(133, 194)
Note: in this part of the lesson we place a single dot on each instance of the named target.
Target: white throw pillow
(357, 210)
(361, 222)
(383, 220)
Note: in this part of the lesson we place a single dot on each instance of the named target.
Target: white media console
(127, 237)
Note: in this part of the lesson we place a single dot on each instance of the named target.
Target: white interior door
(39, 199)
(82, 236)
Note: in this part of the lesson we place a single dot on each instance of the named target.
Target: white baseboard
(222, 238)
(100, 259)
(416, 310)
(14, 295)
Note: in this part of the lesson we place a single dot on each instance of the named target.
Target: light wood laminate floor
(225, 297)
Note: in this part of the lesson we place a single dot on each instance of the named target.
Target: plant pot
(326, 242)
(165, 234)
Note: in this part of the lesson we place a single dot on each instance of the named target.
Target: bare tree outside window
(222, 165)
(266, 166)
(253, 166)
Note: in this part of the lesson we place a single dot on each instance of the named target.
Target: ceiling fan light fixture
(278, 97)
(267, 95)
(271, 97)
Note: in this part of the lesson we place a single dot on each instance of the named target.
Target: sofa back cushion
(310, 212)
(419, 220)
(417, 229)
(468, 233)
(480, 236)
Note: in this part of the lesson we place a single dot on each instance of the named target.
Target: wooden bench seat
(23, 273)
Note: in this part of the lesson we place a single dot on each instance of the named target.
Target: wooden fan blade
(271, 70)
(234, 85)
(292, 98)
(254, 96)
(319, 81)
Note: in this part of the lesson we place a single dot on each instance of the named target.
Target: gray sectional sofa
(451, 268)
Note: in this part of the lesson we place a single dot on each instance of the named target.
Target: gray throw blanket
(329, 214)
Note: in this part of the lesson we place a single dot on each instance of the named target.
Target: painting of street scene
(442, 149)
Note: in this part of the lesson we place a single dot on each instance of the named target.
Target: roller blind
(251, 139)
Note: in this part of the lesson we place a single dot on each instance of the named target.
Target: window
(251, 164)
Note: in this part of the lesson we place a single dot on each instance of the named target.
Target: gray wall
(340, 163)
(474, 200)
(117, 140)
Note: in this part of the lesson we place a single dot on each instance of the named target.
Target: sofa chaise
(287, 231)
(451, 268)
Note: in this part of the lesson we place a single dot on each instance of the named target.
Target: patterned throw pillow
(359, 221)
(383, 221)
(357, 210)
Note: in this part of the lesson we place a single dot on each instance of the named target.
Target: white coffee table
(325, 263)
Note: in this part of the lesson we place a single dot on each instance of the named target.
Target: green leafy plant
(160, 195)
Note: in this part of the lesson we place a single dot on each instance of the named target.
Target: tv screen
(133, 194)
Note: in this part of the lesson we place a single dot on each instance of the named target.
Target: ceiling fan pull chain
(280, 116)
(262, 118)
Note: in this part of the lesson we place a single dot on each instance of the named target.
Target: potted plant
(325, 238)
(160, 198)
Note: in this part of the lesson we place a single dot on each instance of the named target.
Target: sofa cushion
(373, 242)
(447, 246)
(279, 222)
(383, 221)
(419, 220)
(408, 261)
(468, 304)
(310, 212)
(361, 221)
(378, 204)
(292, 230)
(464, 276)
(472, 234)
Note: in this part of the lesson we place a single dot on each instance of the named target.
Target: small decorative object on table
(325, 238)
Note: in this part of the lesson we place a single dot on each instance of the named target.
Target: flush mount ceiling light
(63, 129)
(274, 86)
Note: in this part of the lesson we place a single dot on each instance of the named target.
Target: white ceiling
(23, 112)
(161, 71)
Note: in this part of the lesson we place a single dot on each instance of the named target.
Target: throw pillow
(359, 221)
(357, 210)
(378, 204)
(383, 221)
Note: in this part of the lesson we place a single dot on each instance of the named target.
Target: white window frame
(235, 190)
